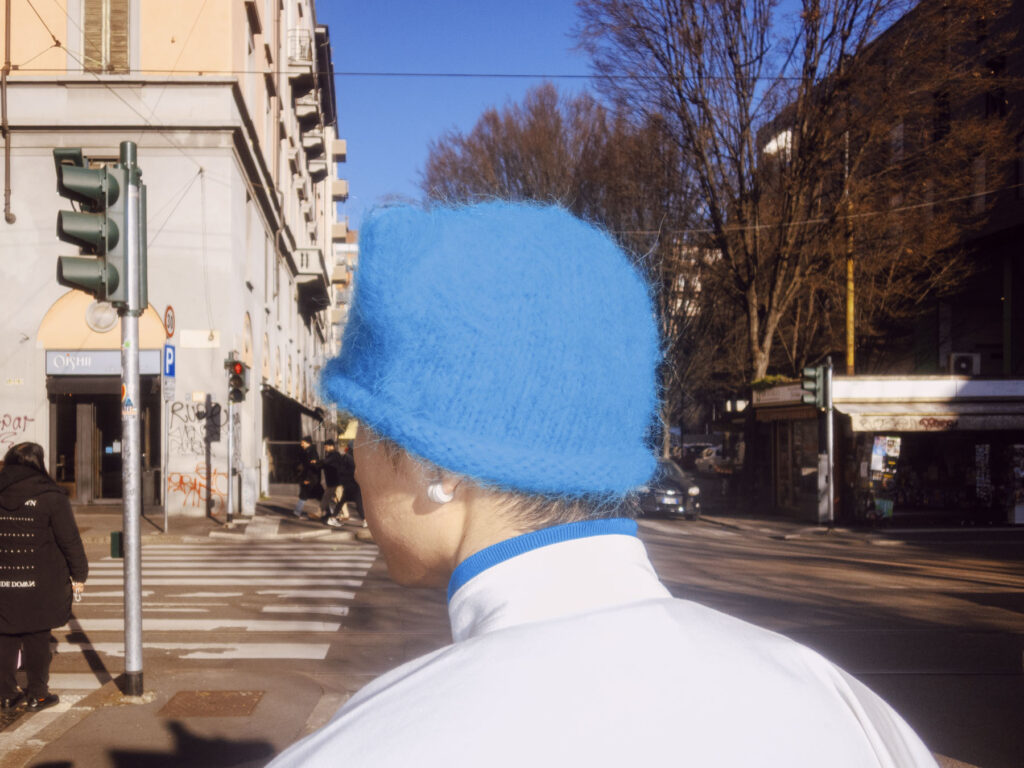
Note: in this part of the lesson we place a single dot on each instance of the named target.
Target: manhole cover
(212, 703)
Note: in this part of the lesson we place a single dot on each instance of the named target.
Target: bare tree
(790, 126)
(623, 174)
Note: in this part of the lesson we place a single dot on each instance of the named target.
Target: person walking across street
(349, 495)
(42, 564)
(501, 359)
(333, 469)
(309, 475)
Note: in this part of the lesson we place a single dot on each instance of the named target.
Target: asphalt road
(934, 626)
(291, 628)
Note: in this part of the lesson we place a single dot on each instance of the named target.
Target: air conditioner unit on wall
(965, 363)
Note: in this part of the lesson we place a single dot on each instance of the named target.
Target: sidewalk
(203, 717)
(273, 520)
(744, 514)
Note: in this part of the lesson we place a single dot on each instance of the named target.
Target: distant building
(232, 106)
(935, 432)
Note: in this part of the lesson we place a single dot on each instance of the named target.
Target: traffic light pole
(231, 462)
(130, 433)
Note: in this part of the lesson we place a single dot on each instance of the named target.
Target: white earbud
(437, 494)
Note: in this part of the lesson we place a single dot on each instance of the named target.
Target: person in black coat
(349, 489)
(42, 562)
(333, 467)
(309, 475)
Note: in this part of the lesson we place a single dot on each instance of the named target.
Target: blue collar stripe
(479, 562)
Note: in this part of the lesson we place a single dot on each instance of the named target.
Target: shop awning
(316, 413)
(933, 417)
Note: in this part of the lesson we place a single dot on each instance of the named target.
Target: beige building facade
(232, 106)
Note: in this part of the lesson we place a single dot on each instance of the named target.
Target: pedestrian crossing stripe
(296, 588)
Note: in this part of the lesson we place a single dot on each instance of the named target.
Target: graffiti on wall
(12, 428)
(192, 489)
(192, 426)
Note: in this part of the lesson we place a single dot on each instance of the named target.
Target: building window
(105, 36)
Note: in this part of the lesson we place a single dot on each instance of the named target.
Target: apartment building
(232, 107)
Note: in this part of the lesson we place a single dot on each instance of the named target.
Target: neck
(484, 523)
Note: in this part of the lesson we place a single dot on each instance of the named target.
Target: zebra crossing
(223, 600)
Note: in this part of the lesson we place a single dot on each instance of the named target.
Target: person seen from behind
(332, 466)
(501, 360)
(42, 564)
(309, 475)
(347, 493)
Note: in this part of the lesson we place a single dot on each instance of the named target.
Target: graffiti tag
(12, 427)
(193, 489)
(932, 423)
(192, 426)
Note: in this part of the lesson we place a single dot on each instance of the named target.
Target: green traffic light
(90, 275)
(92, 187)
(92, 232)
(813, 384)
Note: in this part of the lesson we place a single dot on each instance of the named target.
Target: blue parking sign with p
(169, 361)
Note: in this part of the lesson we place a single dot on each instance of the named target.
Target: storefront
(910, 450)
(954, 461)
(84, 392)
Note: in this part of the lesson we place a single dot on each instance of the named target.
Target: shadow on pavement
(192, 750)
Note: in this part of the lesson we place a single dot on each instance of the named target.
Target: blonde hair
(528, 510)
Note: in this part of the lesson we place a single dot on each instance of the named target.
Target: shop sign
(104, 362)
(863, 422)
(778, 395)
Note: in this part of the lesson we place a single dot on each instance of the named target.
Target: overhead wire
(162, 129)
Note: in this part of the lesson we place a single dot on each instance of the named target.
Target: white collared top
(569, 652)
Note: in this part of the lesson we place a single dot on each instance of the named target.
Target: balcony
(339, 232)
(311, 279)
(313, 142)
(339, 150)
(339, 190)
(300, 61)
(317, 168)
(307, 110)
(300, 48)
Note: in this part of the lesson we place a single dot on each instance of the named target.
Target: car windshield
(669, 470)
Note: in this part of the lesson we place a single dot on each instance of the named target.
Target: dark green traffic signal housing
(97, 228)
(813, 384)
(238, 380)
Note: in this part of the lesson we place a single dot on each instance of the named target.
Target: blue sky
(389, 121)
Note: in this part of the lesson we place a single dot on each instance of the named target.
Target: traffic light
(97, 228)
(813, 383)
(238, 380)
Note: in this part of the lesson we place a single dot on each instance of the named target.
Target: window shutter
(92, 36)
(118, 62)
(105, 36)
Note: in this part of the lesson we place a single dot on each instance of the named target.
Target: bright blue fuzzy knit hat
(508, 342)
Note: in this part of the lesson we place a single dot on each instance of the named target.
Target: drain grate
(212, 704)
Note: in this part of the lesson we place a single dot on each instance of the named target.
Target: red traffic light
(237, 368)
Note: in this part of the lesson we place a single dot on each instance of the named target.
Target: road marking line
(320, 594)
(302, 651)
(329, 610)
(231, 582)
(204, 625)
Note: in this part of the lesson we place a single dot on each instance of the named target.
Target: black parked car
(669, 494)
